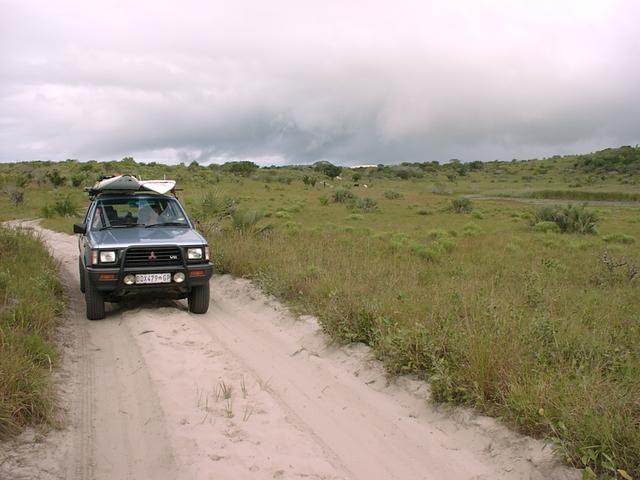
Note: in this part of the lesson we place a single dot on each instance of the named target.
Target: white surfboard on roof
(118, 182)
(158, 186)
(131, 183)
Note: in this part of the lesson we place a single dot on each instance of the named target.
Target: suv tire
(94, 300)
(199, 299)
(81, 272)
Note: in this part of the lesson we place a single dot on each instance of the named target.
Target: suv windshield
(137, 212)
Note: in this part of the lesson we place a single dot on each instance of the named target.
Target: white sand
(143, 397)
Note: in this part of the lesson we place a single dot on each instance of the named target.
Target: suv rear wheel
(199, 299)
(94, 300)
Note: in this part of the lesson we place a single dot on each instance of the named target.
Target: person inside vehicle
(147, 215)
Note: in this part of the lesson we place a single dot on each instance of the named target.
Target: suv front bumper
(110, 279)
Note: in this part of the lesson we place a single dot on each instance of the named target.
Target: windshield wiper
(168, 224)
(128, 225)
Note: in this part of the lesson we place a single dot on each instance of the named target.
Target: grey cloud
(295, 82)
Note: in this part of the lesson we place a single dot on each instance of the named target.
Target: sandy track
(145, 391)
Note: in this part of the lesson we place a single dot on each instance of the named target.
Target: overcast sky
(297, 81)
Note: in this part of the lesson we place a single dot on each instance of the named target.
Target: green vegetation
(539, 329)
(569, 219)
(584, 195)
(30, 296)
(461, 205)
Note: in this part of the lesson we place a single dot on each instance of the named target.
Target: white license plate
(153, 278)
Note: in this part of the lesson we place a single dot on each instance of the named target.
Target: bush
(78, 179)
(461, 205)
(309, 180)
(63, 207)
(342, 195)
(247, 220)
(324, 201)
(367, 204)
(570, 219)
(424, 251)
(215, 205)
(15, 194)
(471, 230)
(392, 195)
(282, 214)
(55, 178)
(618, 238)
(546, 227)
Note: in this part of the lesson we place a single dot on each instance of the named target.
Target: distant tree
(476, 165)
(461, 169)
(327, 168)
(22, 180)
(55, 178)
(356, 177)
(78, 179)
(243, 168)
(403, 174)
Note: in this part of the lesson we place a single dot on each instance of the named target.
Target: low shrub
(63, 207)
(366, 204)
(546, 227)
(437, 233)
(424, 251)
(215, 205)
(282, 214)
(392, 195)
(618, 238)
(247, 220)
(471, 230)
(15, 194)
(461, 205)
(343, 195)
(570, 218)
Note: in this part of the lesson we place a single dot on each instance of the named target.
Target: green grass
(30, 301)
(584, 195)
(494, 307)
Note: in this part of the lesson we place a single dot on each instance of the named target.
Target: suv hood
(140, 236)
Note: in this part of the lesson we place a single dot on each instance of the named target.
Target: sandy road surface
(145, 389)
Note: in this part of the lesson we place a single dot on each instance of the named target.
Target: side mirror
(80, 228)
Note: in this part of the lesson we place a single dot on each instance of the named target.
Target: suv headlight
(194, 253)
(107, 256)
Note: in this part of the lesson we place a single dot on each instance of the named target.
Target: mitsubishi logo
(152, 256)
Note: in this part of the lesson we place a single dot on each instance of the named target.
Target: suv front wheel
(199, 299)
(81, 273)
(94, 300)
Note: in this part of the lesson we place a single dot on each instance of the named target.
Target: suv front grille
(153, 256)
